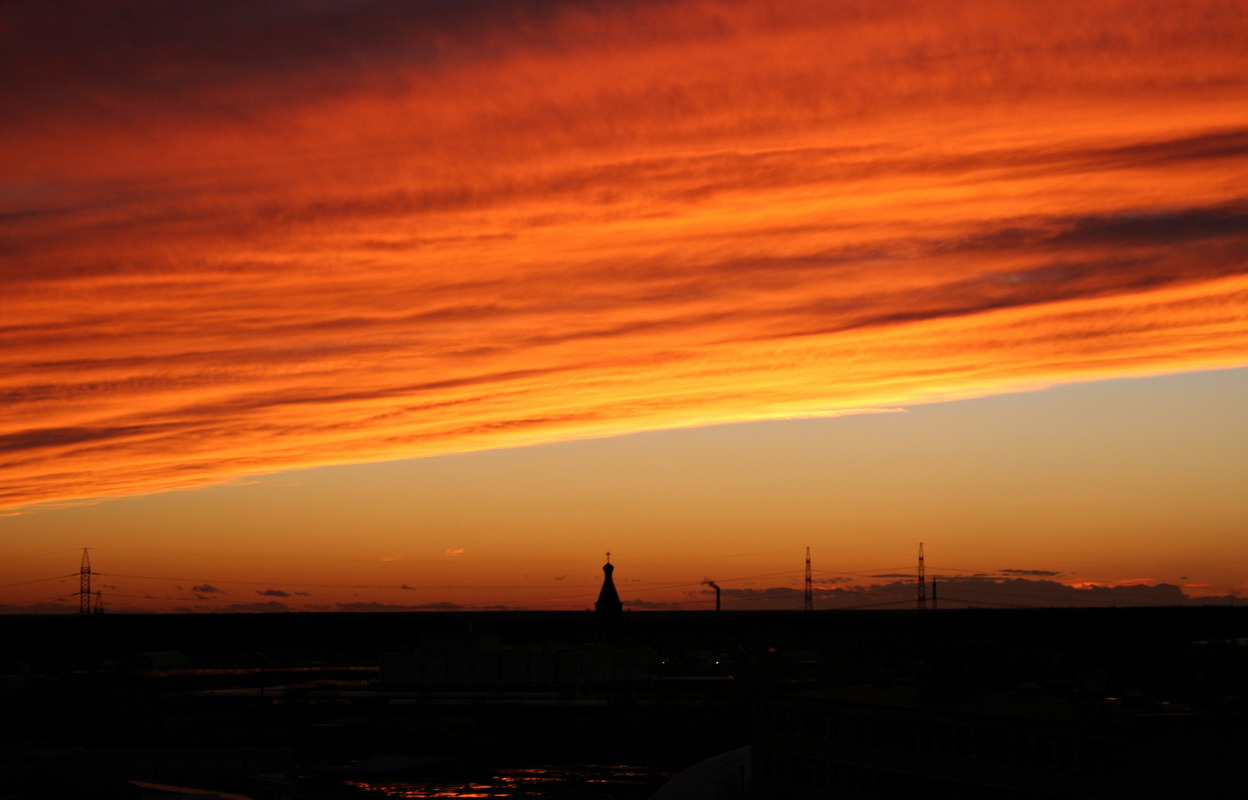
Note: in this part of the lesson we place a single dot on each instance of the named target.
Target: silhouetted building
(608, 608)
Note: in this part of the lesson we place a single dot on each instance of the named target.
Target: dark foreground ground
(527, 704)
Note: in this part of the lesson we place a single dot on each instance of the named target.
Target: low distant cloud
(368, 607)
(407, 588)
(457, 551)
(952, 592)
(440, 606)
(273, 593)
(1039, 573)
(303, 594)
(781, 597)
(270, 607)
(1027, 592)
(637, 604)
(37, 608)
(206, 588)
(391, 558)
(360, 607)
(785, 592)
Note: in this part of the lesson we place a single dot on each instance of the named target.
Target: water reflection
(588, 781)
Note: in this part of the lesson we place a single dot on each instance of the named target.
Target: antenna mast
(84, 584)
(809, 601)
(921, 582)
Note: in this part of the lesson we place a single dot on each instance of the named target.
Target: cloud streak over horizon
(295, 234)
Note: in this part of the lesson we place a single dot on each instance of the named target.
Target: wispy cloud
(420, 233)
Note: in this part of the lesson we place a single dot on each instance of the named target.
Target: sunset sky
(334, 304)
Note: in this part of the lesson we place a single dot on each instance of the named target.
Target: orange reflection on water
(401, 790)
(540, 781)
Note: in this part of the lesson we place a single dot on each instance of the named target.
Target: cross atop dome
(608, 608)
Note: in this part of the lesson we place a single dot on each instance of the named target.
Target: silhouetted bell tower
(608, 608)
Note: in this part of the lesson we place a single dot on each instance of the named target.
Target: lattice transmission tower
(84, 584)
(921, 582)
(808, 603)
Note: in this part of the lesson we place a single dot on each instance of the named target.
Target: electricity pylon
(921, 582)
(84, 584)
(808, 603)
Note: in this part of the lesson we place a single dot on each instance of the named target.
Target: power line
(863, 571)
(40, 580)
(437, 559)
(200, 599)
(41, 599)
(1056, 594)
(250, 583)
(881, 604)
(40, 555)
(981, 603)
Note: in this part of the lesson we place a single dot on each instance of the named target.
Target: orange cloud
(412, 236)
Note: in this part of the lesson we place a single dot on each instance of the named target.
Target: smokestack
(713, 585)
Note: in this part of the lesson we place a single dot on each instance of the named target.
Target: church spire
(608, 608)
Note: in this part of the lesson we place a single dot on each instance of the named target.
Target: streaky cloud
(405, 230)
